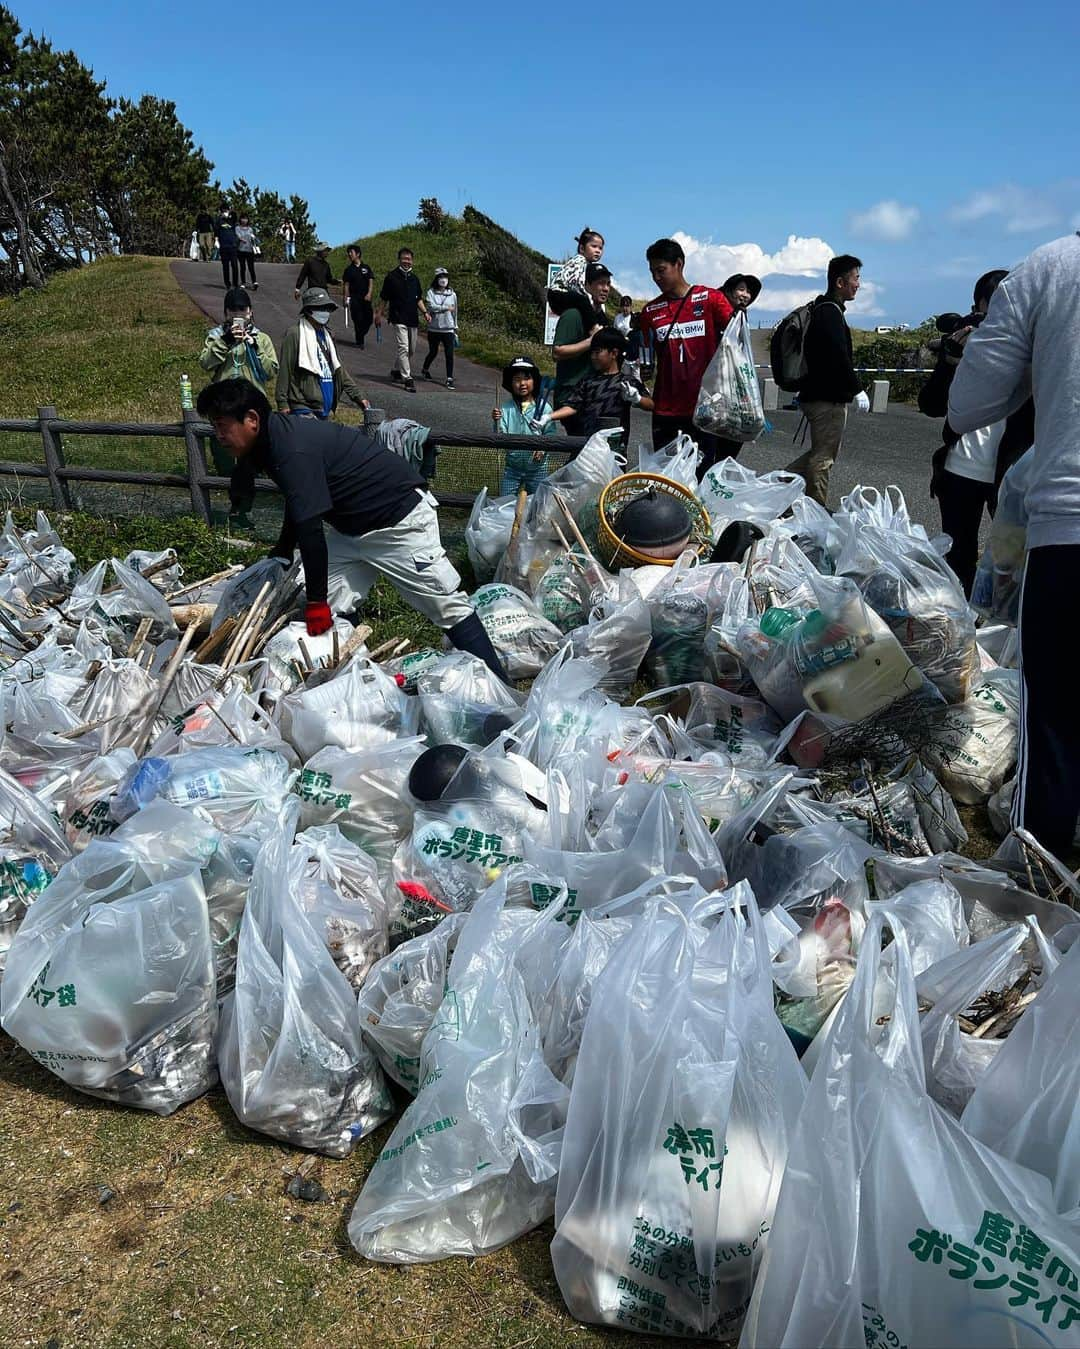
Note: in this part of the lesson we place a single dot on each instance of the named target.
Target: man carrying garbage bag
(355, 509)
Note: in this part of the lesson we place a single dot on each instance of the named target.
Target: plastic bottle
(187, 398)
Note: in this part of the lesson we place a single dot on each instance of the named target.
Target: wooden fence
(197, 481)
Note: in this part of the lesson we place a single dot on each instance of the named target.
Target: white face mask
(320, 316)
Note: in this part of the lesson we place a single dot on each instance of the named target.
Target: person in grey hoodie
(442, 324)
(1029, 346)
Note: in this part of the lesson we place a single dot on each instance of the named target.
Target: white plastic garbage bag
(32, 851)
(685, 1094)
(291, 1057)
(894, 1222)
(729, 399)
(488, 532)
(234, 788)
(110, 981)
(731, 491)
(286, 661)
(522, 636)
(461, 699)
(401, 996)
(358, 709)
(340, 895)
(1027, 1105)
(472, 1162)
(616, 636)
(955, 1059)
(677, 461)
(907, 582)
(973, 748)
(364, 792)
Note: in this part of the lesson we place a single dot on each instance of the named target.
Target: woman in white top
(442, 324)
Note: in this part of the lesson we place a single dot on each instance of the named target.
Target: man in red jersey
(685, 323)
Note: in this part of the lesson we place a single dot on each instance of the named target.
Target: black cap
(594, 271)
(752, 283)
(237, 298)
(653, 520)
(430, 775)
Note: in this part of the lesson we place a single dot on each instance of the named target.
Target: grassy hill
(500, 281)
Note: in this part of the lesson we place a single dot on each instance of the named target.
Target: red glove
(318, 618)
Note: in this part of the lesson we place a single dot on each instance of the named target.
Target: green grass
(500, 282)
(200, 1247)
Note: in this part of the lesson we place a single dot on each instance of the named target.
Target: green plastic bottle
(774, 621)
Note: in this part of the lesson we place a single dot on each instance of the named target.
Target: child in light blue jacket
(517, 417)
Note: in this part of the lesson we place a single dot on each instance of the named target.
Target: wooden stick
(242, 631)
(201, 615)
(992, 1021)
(217, 639)
(141, 633)
(271, 631)
(166, 684)
(353, 645)
(306, 654)
(383, 648)
(519, 516)
(206, 581)
(336, 646)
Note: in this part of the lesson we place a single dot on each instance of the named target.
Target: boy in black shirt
(356, 511)
(607, 392)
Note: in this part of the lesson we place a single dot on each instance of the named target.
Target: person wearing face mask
(442, 324)
(237, 349)
(403, 300)
(312, 380)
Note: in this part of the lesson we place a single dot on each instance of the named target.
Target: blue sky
(935, 141)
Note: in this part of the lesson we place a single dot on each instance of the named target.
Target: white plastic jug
(879, 674)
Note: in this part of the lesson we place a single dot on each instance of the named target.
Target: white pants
(411, 557)
(406, 345)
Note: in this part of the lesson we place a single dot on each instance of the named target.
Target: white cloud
(778, 300)
(714, 263)
(890, 221)
(783, 299)
(1021, 210)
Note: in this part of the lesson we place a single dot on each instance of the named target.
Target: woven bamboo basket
(614, 552)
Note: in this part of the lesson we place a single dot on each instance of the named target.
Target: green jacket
(237, 360)
(300, 388)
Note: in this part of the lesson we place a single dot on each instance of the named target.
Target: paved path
(893, 447)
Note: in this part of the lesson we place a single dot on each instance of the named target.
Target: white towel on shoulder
(310, 352)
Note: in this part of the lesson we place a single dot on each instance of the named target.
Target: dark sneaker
(425, 373)
(410, 387)
(449, 383)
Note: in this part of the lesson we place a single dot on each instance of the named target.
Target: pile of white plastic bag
(680, 951)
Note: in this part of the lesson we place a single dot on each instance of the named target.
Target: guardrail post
(196, 467)
(879, 398)
(54, 458)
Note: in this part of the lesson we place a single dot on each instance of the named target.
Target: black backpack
(787, 347)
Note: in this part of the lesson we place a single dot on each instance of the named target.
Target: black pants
(1047, 800)
(362, 317)
(961, 501)
(230, 269)
(434, 342)
(713, 449)
(247, 263)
